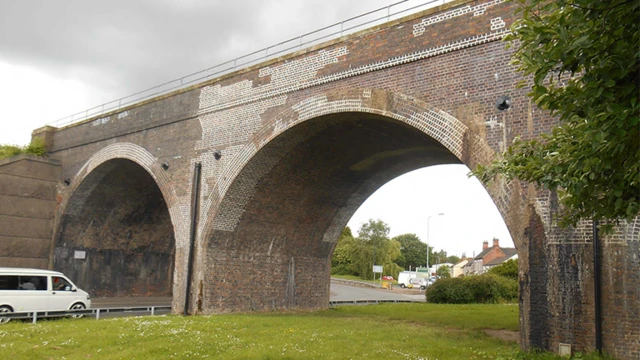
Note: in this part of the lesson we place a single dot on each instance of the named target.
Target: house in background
(510, 254)
(467, 269)
(458, 268)
(490, 257)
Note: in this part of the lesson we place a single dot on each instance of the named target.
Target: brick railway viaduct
(289, 149)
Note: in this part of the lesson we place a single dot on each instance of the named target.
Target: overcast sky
(62, 57)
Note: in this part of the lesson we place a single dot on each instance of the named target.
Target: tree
(341, 262)
(452, 259)
(413, 252)
(508, 269)
(584, 62)
(443, 272)
(373, 246)
(439, 256)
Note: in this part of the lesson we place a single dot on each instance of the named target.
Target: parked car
(387, 277)
(24, 290)
(418, 283)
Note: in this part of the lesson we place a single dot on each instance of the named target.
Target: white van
(38, 290)
(404, 277)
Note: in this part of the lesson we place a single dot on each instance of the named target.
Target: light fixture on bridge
(217, 154)
(165, 166)
(503, 103)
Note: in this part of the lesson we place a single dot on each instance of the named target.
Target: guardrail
(351, 25)
(35, 315)
(355, 283)
(356, 302)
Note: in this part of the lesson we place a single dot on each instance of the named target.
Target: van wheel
(402, 286)
(77, 306)
(423, 287)
(5, 309)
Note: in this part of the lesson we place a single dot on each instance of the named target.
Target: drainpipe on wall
(596, 287)
(195, 199)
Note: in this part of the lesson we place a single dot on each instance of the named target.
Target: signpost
(377, 269)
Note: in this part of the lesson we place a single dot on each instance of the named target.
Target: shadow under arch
(117, 218)
(282, 202)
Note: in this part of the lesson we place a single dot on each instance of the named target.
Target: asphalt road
(350, 293)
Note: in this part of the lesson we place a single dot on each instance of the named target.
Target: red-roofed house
(491, 256)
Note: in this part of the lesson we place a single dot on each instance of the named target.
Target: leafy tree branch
(583, 59)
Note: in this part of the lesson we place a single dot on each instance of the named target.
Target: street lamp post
(428, 219)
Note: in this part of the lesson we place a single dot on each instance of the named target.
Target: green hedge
(36, 147)
(482, 289)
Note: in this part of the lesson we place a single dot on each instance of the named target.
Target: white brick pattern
(419, 28)
(303, 69)
(441, 126)
(234, 125)
(285, 78)
(497, 23)
(364, 69)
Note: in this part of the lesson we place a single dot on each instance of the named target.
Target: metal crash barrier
(95, 313)
(364, 302)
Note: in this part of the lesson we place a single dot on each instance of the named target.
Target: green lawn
(389, 331)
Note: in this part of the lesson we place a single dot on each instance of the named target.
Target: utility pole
(428, 219)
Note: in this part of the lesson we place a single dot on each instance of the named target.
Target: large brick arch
(282, 203)
(155, 212)
(453, 134)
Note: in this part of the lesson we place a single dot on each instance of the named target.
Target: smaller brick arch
(144, 159)
(137, 193)
(132, 152)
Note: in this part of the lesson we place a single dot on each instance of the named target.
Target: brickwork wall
(280, 178)
(27, 201)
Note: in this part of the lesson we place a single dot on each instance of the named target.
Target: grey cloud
(123, 46)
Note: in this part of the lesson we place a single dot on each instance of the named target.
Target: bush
(7, 151)
(35, 148)
(450, 291)
(508, 269)
(482, 289)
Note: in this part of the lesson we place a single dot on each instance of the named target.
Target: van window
(60, 284)
(33, 283)
(9, 282)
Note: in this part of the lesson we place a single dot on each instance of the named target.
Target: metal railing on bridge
(348, 26)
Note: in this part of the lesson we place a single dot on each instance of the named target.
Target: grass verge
(389, 331)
